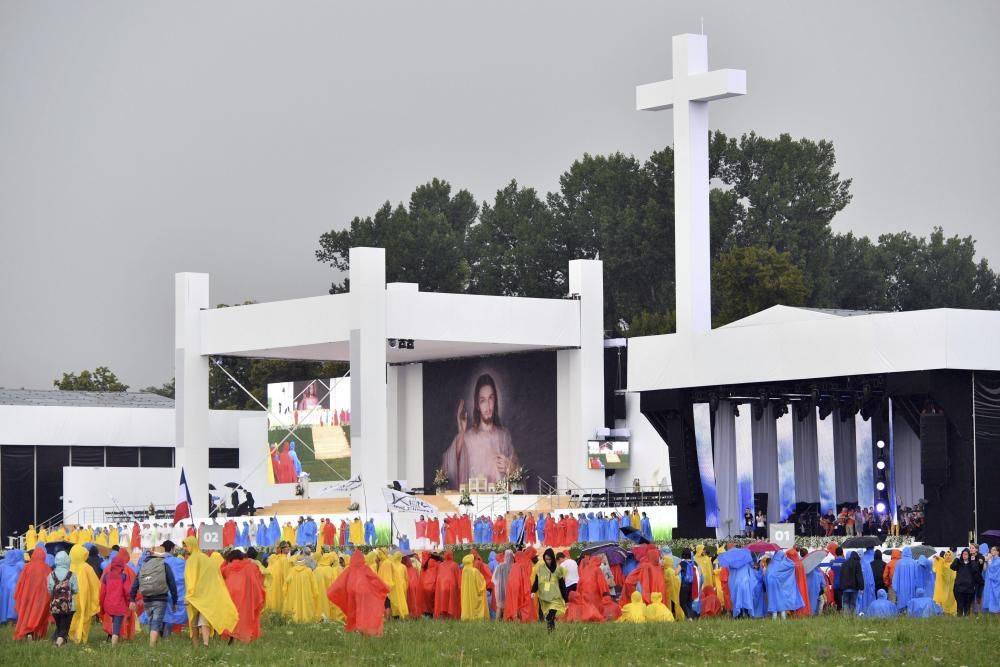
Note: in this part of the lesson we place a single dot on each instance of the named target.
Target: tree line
(771, 206)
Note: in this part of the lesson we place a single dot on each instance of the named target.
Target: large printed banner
(786, 466)
(486, 417)
(706, 461)
(827, 464)
(309, 430)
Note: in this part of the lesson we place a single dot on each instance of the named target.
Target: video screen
(309, 430)
(607, 454)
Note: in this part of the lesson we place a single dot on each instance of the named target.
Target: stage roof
(442, 326)
(784, 343)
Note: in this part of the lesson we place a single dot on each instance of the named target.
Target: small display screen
(607, 454)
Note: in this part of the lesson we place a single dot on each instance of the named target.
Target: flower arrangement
(517, 475)
(440, 479)
(353, 507)
(465, 500)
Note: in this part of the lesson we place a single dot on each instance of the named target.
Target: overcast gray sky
(140, 139)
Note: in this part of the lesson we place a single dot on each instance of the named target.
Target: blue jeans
(116, 625)
(156, 609)
(849, 600)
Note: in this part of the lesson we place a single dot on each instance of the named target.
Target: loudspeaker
(618, 406)
(933, 449)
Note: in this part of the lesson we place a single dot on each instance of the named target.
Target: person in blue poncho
(926, 573)
(310, 532)
(921, 606)
(905, 579)
(991, 582)
(612, 529)
(867, 596)
(881, 607)
(517, 529)
(273, 532)
(741, 580)
(581, 529)
(540, 527)
(300, 532)
(593, 527)
(645, 527)
(295, 459)
(487, 531)
(10, 570)
(261, 538)
(492, 561)
(783, 593)
(624, 521)
(243, 536)
(370, 532)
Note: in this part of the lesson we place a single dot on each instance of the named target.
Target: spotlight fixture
(880, 444)
(880, 486)
(880, 465)
(880, 508)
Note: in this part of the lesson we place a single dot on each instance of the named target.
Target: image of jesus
(484, 448)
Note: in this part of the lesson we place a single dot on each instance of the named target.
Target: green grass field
(828, 640)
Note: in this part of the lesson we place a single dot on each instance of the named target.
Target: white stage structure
(386, 387)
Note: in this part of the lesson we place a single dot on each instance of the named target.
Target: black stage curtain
(156, 457)
(49, 480)
(86, 456)
(17, 489)
(123, 457)
(987, 411)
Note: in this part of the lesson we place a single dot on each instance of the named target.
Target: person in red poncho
(434, 531)
(428, 583)
(448, 589)
(414, 596)
(343, 532)
(709, 602)
(284, 467)
(136, 541)
(245, 583)
(529, 529)
(116, 582)
(500, 530)
(800, 580)
(31, 598)
(594, 588)
(449, 530)
(578, 610)
(648, 576)
(329, 533)
(519, 605)
(229, 533)
(360, 594)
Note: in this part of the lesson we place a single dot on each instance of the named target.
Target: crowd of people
(224, 592)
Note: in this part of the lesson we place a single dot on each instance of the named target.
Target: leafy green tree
(652, 324)
(166, 389)
(512, 250)
(424, 243)
(101, 379)
(748, 280)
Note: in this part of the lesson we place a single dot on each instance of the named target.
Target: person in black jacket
(852, 582)
(878, 570)
(968, 578)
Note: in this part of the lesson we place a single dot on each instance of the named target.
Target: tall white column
(581, 378)
(191, 387)
(369, 441)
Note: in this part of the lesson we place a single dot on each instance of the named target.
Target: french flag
(183, 508)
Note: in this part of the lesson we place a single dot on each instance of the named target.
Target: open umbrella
(634, 535)
(55, 547)
(861, 542)
(812, 560)
(761, 547)
(991, 537)
(922, 550)
(616, 555)
(234, 485)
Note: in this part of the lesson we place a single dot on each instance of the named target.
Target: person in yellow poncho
(634, 520)
(30, 538)
(397, 587)
(209, 606)
(288, 533)
(944, 584)
(102, 539)
(327, 570)
(274, 579)
(673, 586)
(43, 535)
(73, 537)
(113, 536)
(704, 563)
(473, 591)
(656, 611)
(356, 534)
(58, 535)
(87, 602)
(302, 593)
(634, 611)
(400, 586)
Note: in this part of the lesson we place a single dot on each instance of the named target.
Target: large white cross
(688, 94)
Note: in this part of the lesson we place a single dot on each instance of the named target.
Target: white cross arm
(705, 87)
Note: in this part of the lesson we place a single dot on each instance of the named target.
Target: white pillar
(369, 442)
(581, 378)
(191, 388)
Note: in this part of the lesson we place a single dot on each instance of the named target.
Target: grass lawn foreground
(828, 640)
